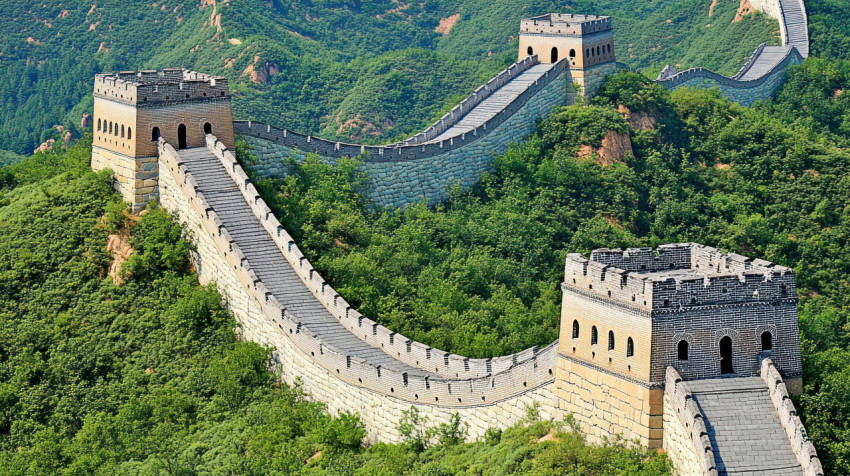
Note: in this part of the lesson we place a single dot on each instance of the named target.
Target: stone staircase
(496, 102)
(271, 266)
(745, 429)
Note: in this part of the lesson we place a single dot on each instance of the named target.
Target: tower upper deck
(677, 276)
(154, 88)
(564, 24)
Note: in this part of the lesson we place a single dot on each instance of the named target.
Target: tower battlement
(155, 88)
(677, 276)
(562, 24)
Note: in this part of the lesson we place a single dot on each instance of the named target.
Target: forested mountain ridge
(345, 70)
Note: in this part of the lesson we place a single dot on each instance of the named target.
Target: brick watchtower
(587, 41)
(133, 110)
(628, 315)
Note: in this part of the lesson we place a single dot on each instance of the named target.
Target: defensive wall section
(489, 393)
(420, 169)
(766, 70)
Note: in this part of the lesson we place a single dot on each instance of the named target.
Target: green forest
(148, 377)
(341, 69)
(134, 368)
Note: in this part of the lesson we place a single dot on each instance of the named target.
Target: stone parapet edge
(401, 151)
(802, 446)
(531, 370)
(691, 418)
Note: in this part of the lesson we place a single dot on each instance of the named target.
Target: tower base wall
(136, 179)
(605, 405)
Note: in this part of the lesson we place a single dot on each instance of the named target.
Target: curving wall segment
(455, 150)
(765, 71)
(383, 373)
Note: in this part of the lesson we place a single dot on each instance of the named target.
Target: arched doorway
(554, 55)
(766, 340)
(155, 134)
(207, 128)
(181, 136)
(530, 51)
(726, 366)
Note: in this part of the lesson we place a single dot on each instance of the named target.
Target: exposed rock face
(744, 9)
(639, 120)
(261, 74)
(446, 24)
(615, 147)
(85, 121)
(119, 245)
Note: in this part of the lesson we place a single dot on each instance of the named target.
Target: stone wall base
(136, 179)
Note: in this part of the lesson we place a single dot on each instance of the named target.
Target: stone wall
(407, 174)
(686, 438)
(605, 404)
(322, 371)
(800, 443)
(135, 178)
(744, 93)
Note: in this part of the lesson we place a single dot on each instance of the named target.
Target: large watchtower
(628, 315)
(132, 110)
(586, 41)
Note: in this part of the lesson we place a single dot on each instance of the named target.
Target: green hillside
(346, 70)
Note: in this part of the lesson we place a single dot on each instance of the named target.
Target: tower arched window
(98, 125)
(155, 134)
(594, 336)
(530, 51)
(554, 55)
(116, 129)
(586, 53)
(766, 340)
(129, 132)
(575, 329)
(630, 347)
(207, 128)
(610, 340)
(110, 127)
(609, 49)
(682, 350)
(122, 131)
(572, 54)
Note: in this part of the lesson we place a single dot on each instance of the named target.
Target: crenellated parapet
(678, 276)
(150, 88)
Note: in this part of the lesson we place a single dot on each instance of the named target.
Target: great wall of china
(645, 334)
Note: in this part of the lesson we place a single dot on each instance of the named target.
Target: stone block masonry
(403, 175)
(341, 382)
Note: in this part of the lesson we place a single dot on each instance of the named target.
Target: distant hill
(343, 69)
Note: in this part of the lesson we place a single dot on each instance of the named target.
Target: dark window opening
(530, 51)
(98, 125)
(155, 134)
(682, 350)
(766, 340)
(630, 347)
(207, 128)
(110, 127)
(554, 55)
(181, 136)
(610, 340)
(594, 336)
(122, 131)
(726, 366)
(575, 329)
(129, 133)
(572, 53)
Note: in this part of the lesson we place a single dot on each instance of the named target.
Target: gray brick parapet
(764, 73)
(685, 434)
(800, 443)
(402, 173)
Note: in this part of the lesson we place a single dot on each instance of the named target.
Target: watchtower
(628, 315)
(586, 41)
(132, 110)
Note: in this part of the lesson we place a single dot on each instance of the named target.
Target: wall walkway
(765, 71)
(342, 358)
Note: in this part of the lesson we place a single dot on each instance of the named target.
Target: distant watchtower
(586, 41)
(133, 110)
(628, 315)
